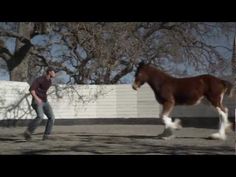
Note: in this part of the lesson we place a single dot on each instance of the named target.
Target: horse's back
(206, 84)
(191, 83)
(191, 89)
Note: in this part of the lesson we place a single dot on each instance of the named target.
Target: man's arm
(38, 100)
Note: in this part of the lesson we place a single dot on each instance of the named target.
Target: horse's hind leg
(170, 126)
(228, 124)
(223, 124)
(223, 119)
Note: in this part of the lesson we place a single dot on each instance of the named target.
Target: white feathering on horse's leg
(223, 125)
(177, 124)
(168, 122)
(229, 125)
(168, 132)
(218, 136)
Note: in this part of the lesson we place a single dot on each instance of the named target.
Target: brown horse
(170, 91)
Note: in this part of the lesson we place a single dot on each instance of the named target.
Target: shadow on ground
(127, 145)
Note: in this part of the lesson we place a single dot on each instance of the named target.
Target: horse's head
(141, 76)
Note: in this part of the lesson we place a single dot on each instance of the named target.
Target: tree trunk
(20, 73)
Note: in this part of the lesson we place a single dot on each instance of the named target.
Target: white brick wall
(95, 101)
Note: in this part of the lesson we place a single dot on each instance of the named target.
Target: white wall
(95, 101)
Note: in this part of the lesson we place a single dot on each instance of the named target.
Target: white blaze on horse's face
(140, 79)
(135, 86)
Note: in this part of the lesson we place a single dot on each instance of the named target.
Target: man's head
(51, 72)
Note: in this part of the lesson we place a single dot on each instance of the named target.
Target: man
(38, 90)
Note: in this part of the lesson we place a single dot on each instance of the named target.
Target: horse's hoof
(177, 124)
(229, 127)
(165, 137)
(217, 136)
(168, 137)
(167, 134)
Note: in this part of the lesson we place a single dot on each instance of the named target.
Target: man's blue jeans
(46, 109)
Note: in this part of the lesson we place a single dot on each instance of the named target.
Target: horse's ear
(142, 63)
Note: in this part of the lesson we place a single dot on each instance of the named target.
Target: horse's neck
(157, 78)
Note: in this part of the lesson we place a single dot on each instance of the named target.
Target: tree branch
(15, 35)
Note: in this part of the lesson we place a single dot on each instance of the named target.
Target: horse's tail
(229, 88)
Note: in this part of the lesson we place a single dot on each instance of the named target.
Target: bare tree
(114, 48)
(17, 62)
(103, 53)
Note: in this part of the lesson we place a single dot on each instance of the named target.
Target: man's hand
(38, 100)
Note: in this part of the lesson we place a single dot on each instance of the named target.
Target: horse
(171, 91)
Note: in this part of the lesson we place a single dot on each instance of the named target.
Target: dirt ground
(114, 140)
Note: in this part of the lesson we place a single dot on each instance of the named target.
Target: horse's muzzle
(135, 86)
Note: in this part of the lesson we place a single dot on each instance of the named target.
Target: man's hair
(50, 69)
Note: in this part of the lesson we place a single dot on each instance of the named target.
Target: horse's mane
(153, 67)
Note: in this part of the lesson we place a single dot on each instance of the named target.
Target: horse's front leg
(170, 126)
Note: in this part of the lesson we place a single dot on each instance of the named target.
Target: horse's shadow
(190, 137)
(139, 137)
